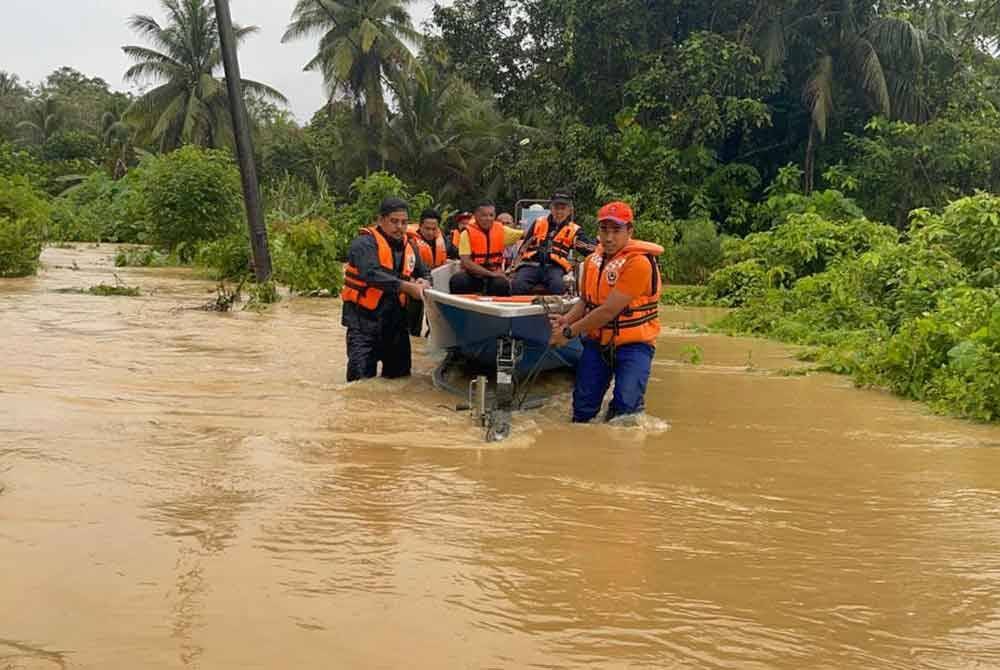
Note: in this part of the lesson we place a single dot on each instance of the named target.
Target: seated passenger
(481, 248)
(544, 258)
(510, 251)
(461, 222)
(427, 239)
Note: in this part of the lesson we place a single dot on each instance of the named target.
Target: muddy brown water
(183, 489)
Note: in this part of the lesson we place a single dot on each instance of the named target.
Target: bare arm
(614, 305)
(575, 313)
(477, 270)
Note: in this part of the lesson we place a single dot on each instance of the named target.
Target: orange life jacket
(487, 248)
(456, 235)
(358, 291)
(433, 256)
(640, 321)
(562, 243)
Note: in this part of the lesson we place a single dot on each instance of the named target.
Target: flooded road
(182, 489)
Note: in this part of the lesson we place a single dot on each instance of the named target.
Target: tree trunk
(809, 165)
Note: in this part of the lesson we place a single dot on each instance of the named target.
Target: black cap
(390, 205)
(562, 196)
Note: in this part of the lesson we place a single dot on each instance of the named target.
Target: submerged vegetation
(917, 313)
(826, 169)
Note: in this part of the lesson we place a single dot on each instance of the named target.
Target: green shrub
(24, 217)
(228, 257)
(72, 145)
(102, 209)
(264, 294)
(368, 195)
(698, 253)
(189, 196)
(15, 162)
(691, 296)
(70, 224)
(290, 197)
(106, 290)
(949, 357)
(83, 212)
(307, 257)
(831, 205)
(736, 284)
(784, 198)
(897, 167)
(663, 233)
(898, 315)
(878, 290)
(807, 243)
(143, 257)
(970, 230)
(20, 248)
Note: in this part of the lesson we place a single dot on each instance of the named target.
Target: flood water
(182, 489)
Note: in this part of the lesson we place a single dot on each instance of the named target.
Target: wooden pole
(244, 143)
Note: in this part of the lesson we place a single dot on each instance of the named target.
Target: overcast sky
(36, 37)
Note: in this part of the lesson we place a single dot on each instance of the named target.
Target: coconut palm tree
(45, 119)
(444, 135)
(189, 105)
(10, 84)
(363, 47)
(843, 45)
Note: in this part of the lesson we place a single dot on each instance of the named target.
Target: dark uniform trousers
(366, 350)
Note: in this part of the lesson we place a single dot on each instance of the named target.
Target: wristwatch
(567, 332)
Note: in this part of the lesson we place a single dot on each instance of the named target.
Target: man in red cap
(617, 316)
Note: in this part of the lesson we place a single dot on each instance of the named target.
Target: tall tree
(486, 45)
(831, 46)
(45, 119)
(13, 102)
(190, 104)
(10, 84)
(444, 135)
(364, 46)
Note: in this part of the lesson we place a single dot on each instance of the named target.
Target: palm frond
(899, 40)
(864, 59)
(263, 91)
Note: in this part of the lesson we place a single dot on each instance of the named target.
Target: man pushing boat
(384, 271)
(617, 317)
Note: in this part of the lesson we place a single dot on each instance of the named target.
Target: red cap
(617, 211)
(463, 216)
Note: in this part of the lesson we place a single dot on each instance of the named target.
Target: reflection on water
(183, 489)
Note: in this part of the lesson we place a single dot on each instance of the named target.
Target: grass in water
(106, 290)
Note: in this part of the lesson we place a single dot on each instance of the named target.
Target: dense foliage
(920, 315)
(24, 216)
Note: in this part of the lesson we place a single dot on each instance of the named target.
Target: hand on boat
(415, 289)
(557, 339)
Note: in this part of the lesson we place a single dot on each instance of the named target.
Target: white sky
(36, 37)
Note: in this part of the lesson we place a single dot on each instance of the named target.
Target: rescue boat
(474, 327)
